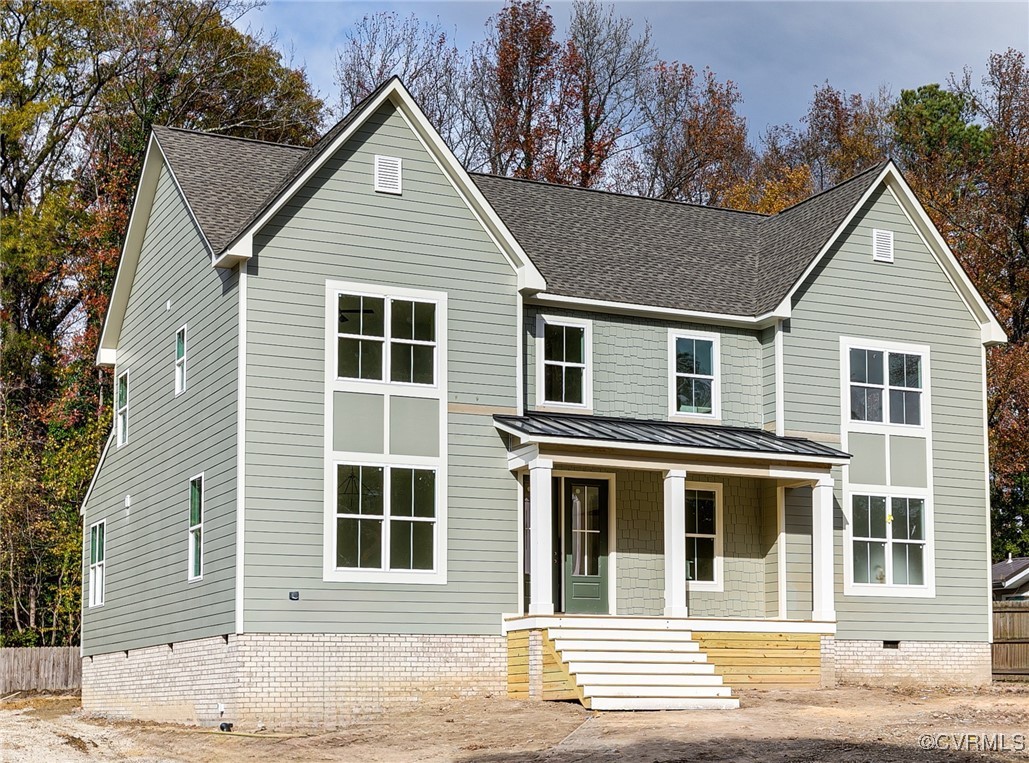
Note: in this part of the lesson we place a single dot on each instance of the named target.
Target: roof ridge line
(207, 134)
(830, 189)
(618, 193)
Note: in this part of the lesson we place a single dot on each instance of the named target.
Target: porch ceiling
(670, 436)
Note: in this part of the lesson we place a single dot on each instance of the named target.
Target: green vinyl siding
(767, 339)
(909, 301)
(148, 599)
(798, 553)
(631, 366)
(338, 228)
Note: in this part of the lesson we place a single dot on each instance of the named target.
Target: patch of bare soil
(848, 725)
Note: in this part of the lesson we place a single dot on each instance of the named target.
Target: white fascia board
(133, 245)
(96, 472)
(1017, 580)
(651, 311)
(576, 442)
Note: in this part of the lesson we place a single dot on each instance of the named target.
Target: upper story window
(694, 383)
(97, 562)
(889, 540)
(180, 361)
(565, 371)
(381, 338)
(121, 408)
(196, 527)
(886, 386)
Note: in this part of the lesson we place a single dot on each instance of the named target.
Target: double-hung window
(694, 374)
(382, 338)
(196, 527)
(889, 540)
(565, 363)
(702, 538)
(121, 408)
(385, 518)
(885, 386)
(97, 560)
(180, 361)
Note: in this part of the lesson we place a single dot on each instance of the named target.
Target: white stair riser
(597, 655)
(670, 692)
(664, 703)
(642, 668)
(644, 679)
(573, 645)
(619, 634)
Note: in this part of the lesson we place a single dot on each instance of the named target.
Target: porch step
(667, 692)
(664, 703)
(630, 655)
(610, 644)
(648, 669)
(648, 679)
(619, 634)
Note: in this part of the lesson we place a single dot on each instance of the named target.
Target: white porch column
(541, 562)
(822, 561)
(675, 543)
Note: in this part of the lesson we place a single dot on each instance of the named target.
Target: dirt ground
(840, 725)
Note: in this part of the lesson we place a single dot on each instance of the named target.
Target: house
(1011, 579)
(387, 429)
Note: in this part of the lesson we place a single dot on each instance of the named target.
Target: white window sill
(892, 591)
(704, 586)
(396, 577)
(696, 418)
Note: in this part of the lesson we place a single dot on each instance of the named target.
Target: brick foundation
(289, 679)
(922, 663)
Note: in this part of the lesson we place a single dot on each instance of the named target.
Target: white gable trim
(991, 330)
(529, 278)
(107, 351)
(96, 472)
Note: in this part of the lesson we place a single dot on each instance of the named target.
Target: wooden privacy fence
(1011, 639)
(47, 668)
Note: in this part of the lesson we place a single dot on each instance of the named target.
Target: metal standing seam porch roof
(673, 434)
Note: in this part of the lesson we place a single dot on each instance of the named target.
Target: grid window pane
(123, 390)
(573, 385)
(575, 339)
(359, 359)
(402, 492)
(703, 357)
(877, 517)
(400, 545)
(196, 508)
(553, 383)
(685, 356)
(424, 493)
(422, 361)
(411, 545)
(861, 562)
(402, 316)
(702, 396)
(425, 321)
(363, 316)
(553, 342)
(359, 543)
(180, 344)
(197, 552)
(861, 518)
(877, 562)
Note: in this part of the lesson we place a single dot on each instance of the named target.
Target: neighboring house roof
(1011, 573)
(550, 427)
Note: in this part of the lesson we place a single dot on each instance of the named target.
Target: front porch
(665, 564)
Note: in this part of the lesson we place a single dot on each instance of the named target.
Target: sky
(776, 52)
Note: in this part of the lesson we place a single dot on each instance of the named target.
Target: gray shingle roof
(587, 244)
(1008, 569)
(668, 433)
(224, 178)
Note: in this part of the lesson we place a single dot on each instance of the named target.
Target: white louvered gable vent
(388, 174)
(882, 245)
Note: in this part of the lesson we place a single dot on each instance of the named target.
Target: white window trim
(850, 588)
(719, 582)
(886, 347)
(101, 566)
(716, 367)
(378, 185)
(371, 574)
(876, 257)
(388, 296)
(180, 386)
(542, 320)
(190, 577)
(437, 391)
(124, 410)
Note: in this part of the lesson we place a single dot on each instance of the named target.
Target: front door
(585, 546)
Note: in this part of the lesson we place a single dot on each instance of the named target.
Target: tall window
(371, 330)
(881, 393)
(196, 527)
(695, 370)
(97, 557)
(889, 545)
(385, 517)
(122, 408)
(180, 361)
(566, 363)
(701, 535)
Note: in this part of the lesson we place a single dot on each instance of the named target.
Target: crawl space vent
(387, 174)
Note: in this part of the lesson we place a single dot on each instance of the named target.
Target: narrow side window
(97, 557)
(122, 408)
(180, 361)
(196, 527)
